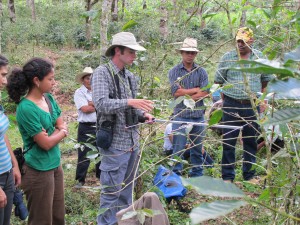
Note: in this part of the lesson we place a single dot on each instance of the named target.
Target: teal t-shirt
(31, 119)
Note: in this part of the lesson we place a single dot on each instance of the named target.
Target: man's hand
(17, 175)
(200, 94)
(145, 105)
(149, 118)
(3, 199)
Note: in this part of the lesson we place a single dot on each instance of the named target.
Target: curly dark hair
(3, 61)
(20, 81)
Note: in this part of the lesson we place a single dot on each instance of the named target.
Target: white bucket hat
(126, 39)
(86, 71)
(189, 44)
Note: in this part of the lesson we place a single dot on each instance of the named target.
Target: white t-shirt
(167, 142)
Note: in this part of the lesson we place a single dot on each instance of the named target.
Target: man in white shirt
(87, 123)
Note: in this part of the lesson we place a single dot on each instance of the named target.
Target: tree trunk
(88, 7)
(32, 6)
(123, 9)
(1, 17)
(201, 10)
(163, 25)
(12, 11)
(244, 16)
(144, 4)
(114, 10)
(104, 21)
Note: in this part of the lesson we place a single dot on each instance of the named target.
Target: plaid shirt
(226, 76)
(106, 106)
(198, 78)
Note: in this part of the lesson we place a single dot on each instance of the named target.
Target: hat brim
(187, 50)
(80, 76)
(134, 47)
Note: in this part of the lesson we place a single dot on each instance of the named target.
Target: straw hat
(126, 39)
(189, 44)
(86, 71)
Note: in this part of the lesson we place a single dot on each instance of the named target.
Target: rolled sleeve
(80, 99)
(172, 80)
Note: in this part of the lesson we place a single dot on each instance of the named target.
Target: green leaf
(233, 20)
(189, 103)
(93, 147)
(102, 210)
(285, 89)
(141, 217)
(175, 102)
(251, 23)
(92, 154)
(264, 66)
(265, 195)
(214, 210)
(266, 14)
(216, 116)
(209, 15)
(213, 187)
(282, 116)
(129, 24)
(92, 14)
(129, 215)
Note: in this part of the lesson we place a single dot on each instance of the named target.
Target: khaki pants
(44, 192)
(150, 201)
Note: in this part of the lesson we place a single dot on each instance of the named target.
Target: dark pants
(237, 114)
(85, 131)
(8, 186)
(44, 192)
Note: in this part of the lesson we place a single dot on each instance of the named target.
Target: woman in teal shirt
(42, 128)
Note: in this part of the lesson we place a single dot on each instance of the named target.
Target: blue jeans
(117, 171)
(179, 141)
(246, 118)
(8, 186)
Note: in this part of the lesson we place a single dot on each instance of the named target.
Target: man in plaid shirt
(237, 108)
(119, 162)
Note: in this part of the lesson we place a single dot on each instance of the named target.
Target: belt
(88, 123)
(241, 101)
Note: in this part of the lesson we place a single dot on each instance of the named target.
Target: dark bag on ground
(104, 135)
(169, 183)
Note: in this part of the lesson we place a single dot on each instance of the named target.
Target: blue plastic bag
(169, 183)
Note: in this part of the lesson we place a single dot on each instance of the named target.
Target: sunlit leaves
(213, 210)
(189, 103)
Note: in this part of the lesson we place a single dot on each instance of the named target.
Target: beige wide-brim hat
(86, 71)
(189, 45)
(126, 39)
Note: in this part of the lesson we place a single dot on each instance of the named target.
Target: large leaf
(282, 116)
(92, 154)
(209, 15)
(285, 89)
(213, 210)
(264, 66)
(214, 187)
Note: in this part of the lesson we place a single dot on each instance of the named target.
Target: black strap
(48, 103)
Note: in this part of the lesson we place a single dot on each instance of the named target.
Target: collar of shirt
(116, 70)
(84, 89)
(181, 66)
